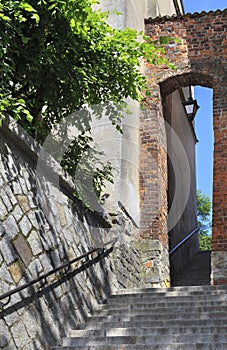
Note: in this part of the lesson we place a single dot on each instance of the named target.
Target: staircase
(191, 317)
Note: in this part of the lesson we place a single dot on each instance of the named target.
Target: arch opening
(182, 140)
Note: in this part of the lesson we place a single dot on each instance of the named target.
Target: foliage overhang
(59, 55)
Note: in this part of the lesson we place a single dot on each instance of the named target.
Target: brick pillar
(219, 239)
(153, 239)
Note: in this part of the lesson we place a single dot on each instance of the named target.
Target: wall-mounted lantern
(191, 106)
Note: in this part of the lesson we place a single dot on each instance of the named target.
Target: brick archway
(200, 58)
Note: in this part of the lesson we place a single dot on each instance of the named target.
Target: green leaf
(52, 6)
(25, 40)
(36, 17)
(4, 17)
(72, 23)
(28, 116)
(27, 7)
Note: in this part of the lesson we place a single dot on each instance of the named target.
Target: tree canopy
(59, 55)
(203, 217)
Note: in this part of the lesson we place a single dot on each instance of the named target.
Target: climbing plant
(58, 56)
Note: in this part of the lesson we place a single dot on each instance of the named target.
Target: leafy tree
(58, 56)
(203, 213)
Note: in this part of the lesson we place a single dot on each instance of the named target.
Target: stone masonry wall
(200, 58)
(41, 227)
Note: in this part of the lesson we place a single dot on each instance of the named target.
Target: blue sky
(204, 5)
(204, 126)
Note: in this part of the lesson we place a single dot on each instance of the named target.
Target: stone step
(163, 304)
(171, 346)
(149, 308)
(144, 331)
(159, 317)
(189, 289)
(170, 289)
(191, 282)
(150, 323)
(147, 340)
(176, 318)
(168, 299)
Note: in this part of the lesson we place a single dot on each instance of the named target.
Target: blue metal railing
(183, 240)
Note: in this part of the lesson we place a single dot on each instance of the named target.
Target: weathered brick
(200, 59)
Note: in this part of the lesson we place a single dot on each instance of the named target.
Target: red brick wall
(200, 59)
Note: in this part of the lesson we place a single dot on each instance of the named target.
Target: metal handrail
(51, 272)
(183, 240)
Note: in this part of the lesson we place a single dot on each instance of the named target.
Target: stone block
(35, 243)
(5, 278)
(7, 250)
(218, 267)
(10, 227)
(45, 262)
(3, 210)
(11, 318)
(6, 200)
(32, 201)
(23, 249)
(25, 225)
(24, 203)
(20, 334)
(30, 322)
(1, 182)
(16, 271)
(16, 187)
(23, 185)
(68, 215)
(148, 245)
(68, 236)
(32, 217)
(27, 180)
(35, 268)
(5, 335)
(17, 213)
(11, 196)
(61, 212)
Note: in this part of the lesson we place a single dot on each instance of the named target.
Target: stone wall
(218, 267)
(200, 58)
(41, 227)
